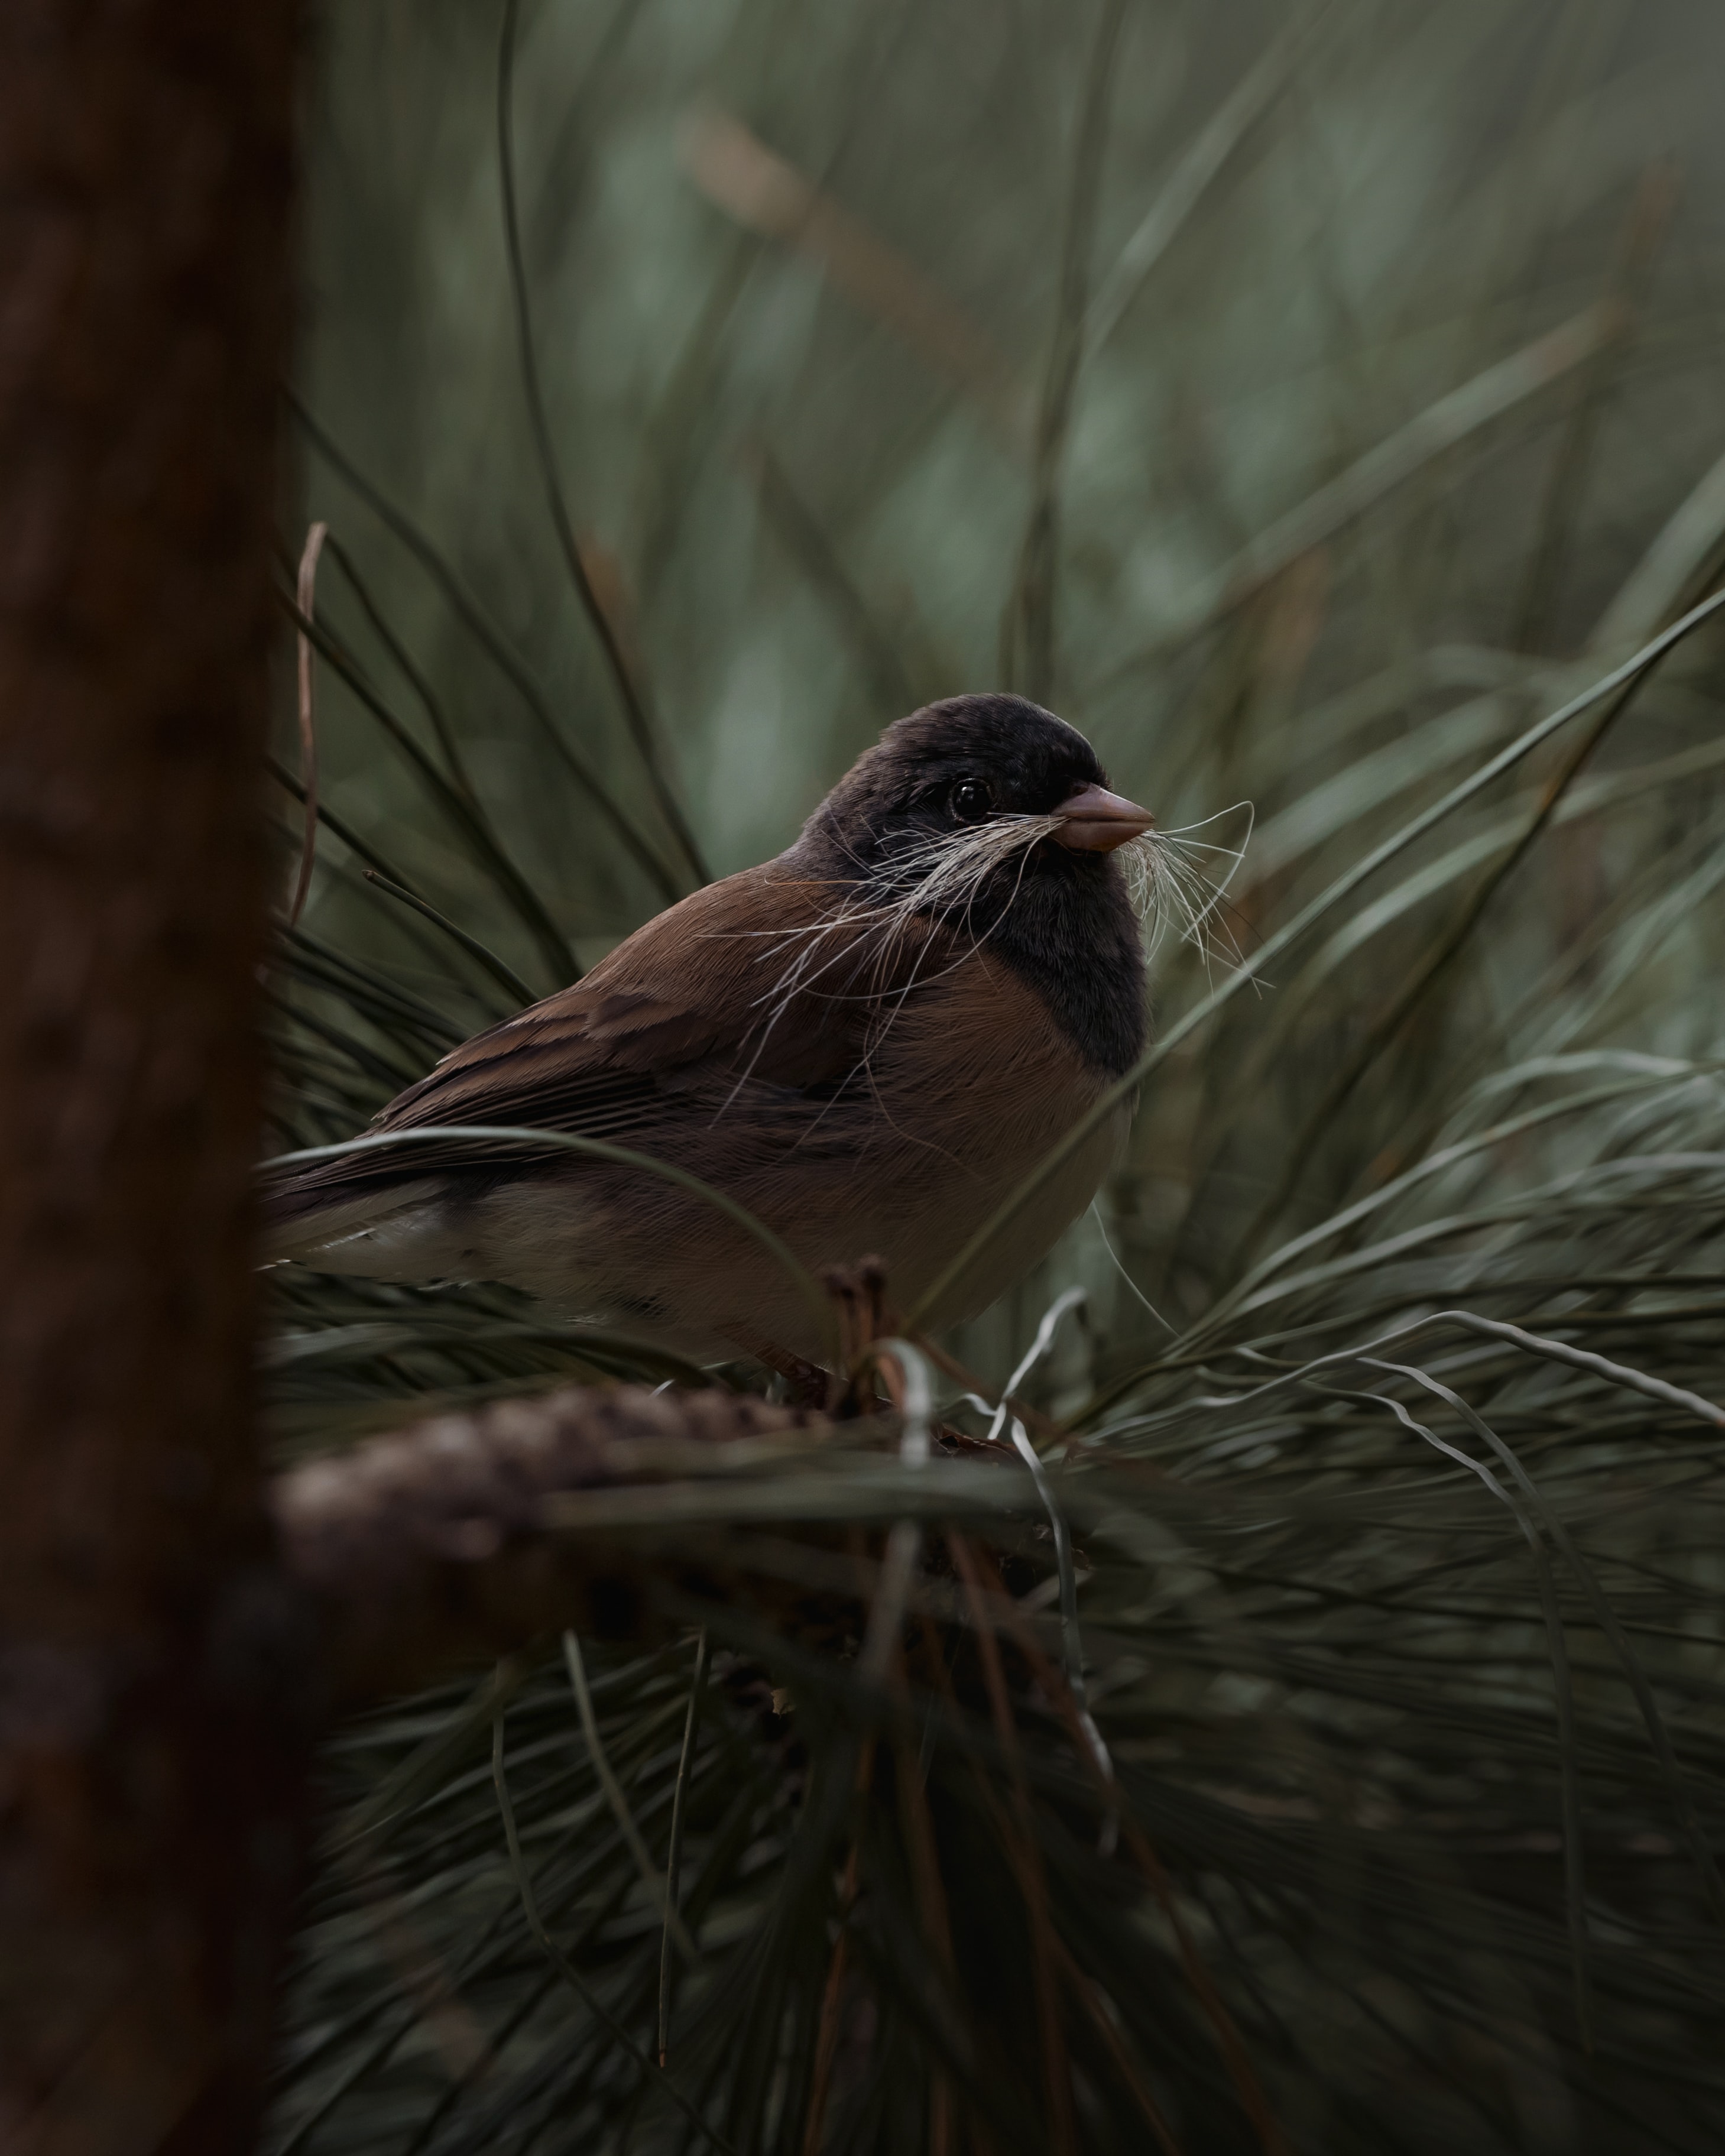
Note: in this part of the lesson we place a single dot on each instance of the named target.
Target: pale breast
(981, 1075)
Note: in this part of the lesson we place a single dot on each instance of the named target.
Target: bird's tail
(342, 1216)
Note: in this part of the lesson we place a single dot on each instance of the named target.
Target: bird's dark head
(991, 814)
(961, 767)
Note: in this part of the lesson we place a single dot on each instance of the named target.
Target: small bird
(866, 1041)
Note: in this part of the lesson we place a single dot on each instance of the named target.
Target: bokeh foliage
(1304, 404)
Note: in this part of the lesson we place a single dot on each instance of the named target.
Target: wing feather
(761, 979)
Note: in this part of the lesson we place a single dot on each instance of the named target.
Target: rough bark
(468, 1535)
(429, 1549)
(149, 1753)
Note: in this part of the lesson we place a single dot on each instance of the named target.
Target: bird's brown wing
(761, 979)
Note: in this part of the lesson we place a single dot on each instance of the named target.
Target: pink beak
(1097, 821)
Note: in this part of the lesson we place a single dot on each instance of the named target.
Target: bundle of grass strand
(1408, 1778)
(851, 948)
(941, 877)
(854, 943)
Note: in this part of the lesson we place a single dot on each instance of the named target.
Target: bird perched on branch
(866, 1042)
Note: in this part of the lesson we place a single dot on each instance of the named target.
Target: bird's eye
(970, 799)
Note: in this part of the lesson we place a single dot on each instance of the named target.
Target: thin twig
(826, 2040)
(674, 1859)
(989, 1394)
(936, 1916)
(613, 1788)
(913, 1396)
(1125, 2065)
(1229, 2040)
(1071, 1645)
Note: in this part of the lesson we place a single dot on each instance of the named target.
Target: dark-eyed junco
(866, 1042)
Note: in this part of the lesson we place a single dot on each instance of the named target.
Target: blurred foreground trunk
(149, 1754)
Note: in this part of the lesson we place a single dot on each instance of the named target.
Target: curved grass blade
(503, 975)
(1574, 1872)
(1385, 1028)
(1201, 163)
(1658, 1735)
(492, 641)
(464, 815)
(1437, 429)
(816, 1304)
(674, 1859)
(408, 666)
(650, 1875)
(566, 1968)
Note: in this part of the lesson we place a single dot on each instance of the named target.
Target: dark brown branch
(440, 1546)
(426, 1550)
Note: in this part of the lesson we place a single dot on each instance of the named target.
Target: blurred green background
(1284, 395)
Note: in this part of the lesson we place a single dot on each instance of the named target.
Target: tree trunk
(152, 1748)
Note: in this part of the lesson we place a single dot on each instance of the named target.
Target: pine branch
(429, 1549)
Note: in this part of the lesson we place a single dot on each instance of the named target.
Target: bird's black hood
(1061, 919)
